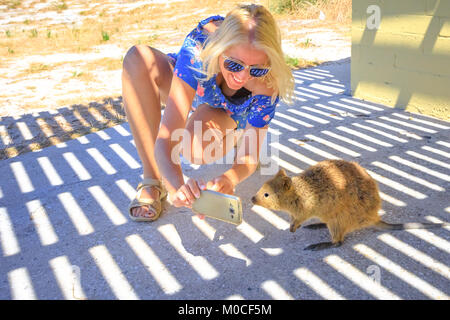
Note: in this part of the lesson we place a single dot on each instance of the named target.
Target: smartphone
(219, 206)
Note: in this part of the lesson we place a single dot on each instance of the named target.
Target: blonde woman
(228, 77)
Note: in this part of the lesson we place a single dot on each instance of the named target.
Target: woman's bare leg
(222, 134)
(146, 79)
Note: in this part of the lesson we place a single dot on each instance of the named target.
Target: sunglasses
(234, 65)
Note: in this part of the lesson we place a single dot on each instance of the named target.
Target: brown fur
(340, 193)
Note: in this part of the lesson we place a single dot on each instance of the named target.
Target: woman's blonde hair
(255, 24)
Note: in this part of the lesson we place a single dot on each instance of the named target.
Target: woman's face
(249, 55)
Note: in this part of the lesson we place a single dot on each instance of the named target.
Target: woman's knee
(206, 143)
(139, 59)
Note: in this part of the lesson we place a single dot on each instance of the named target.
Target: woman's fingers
(191, 191)
(187, 194)
(221, 184)
(179, 199)
(213, 184)
(194, 188)
(201, 184)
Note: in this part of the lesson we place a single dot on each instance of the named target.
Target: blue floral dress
(257, 110)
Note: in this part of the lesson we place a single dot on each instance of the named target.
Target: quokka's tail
(411, 225)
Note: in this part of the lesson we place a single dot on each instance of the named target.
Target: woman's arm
(251, 142)
(248, 152)
(245, 163)
(176, 112)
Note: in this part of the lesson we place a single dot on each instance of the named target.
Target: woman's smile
(236, 79)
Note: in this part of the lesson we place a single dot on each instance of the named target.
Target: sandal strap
(149, 182)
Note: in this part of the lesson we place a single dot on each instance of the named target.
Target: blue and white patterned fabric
(257, 110)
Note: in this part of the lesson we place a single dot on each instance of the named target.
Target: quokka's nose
(253, 199)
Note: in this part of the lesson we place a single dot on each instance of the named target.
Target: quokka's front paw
(293, 227)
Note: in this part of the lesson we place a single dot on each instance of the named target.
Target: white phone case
(220, 206)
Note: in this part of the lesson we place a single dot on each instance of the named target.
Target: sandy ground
(61, 102)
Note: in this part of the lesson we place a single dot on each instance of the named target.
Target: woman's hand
(186, 195)
(221, 184)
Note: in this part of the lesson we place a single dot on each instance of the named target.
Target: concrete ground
(65, 234)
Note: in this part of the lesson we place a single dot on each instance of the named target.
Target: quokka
(339, 193)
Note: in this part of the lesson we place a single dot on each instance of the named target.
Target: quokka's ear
(286, 183)
(281, 173)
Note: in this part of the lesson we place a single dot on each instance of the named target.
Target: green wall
(404, 61)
